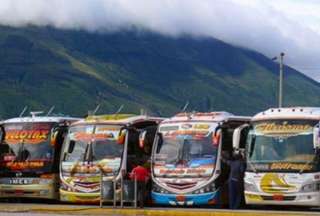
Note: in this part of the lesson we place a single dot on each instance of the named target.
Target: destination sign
(88, 136)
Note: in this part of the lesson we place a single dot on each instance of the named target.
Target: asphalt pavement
(26, 209)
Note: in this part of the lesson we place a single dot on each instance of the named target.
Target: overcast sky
(267, 26)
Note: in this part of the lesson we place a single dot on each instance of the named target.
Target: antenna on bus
(143, 112)
(119, 110)
(50, 110)
(23, 111)
(185, 106)
(96, 109)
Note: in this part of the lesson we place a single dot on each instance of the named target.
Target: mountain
(76, 70)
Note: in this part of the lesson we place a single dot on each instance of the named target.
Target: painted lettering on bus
(284, 128)
(24, 165)
(28, 136)
(290, 166)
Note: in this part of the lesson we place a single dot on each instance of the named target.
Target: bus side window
(243, 138)
(62, 131)
(133, 149)
(4, 149)
(227, 140)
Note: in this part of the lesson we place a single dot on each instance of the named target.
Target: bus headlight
(44, 181)
(207, 189)
(158, 189)
(250, 187)
(315, 186)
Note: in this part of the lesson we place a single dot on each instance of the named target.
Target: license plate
(19, 192)
(180, 198)
(278, 197)
(20, 181)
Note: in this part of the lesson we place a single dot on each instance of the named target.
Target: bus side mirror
(54, 135)
(160, 138)
(236, 137)
(316, 138)
(216, 137)
(2, 133)
(142, 138)
(72, 143)
(122, 137)
(64, 157)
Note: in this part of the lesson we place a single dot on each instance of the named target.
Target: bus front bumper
(297, 199)
(46, 191)
(79, 197)
(210, 198)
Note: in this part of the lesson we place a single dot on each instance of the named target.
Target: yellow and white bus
(107, 144)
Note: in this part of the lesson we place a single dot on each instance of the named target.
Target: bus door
(140, 143)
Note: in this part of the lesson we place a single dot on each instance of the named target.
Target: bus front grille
(181, 186)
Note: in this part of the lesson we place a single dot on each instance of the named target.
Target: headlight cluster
(315, 186)
(158, 189)
(208, 188)
(44, 181)
(250, 187)
(109, 174)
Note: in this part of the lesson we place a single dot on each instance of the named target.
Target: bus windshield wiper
(23, 153)
(307, 163)
(88, 154)
(252, 166)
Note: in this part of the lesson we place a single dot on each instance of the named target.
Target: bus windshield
(101, 140)
(283, 144)
(26, 147)
(186, 149)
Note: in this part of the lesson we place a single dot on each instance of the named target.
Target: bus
(29, 155)
(186, 163)
(282, 155)
(103, 144)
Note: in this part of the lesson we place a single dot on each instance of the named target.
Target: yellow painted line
(78, 210)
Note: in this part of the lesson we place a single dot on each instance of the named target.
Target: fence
(110, 188)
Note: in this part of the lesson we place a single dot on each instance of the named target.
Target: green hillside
(76, 70)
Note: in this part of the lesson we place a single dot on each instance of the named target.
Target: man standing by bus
(142, 175)
(235, 181)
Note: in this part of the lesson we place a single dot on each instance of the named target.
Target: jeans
(234, 194)
(141, 192)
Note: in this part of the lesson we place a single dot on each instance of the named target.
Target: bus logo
(275, 184)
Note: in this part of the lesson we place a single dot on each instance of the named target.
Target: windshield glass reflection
(276, 141)
(186, 149)
(100, 140)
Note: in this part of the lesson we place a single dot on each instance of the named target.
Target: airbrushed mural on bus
(282, 151)
(107, 144)
(186, 158)
(29, 156)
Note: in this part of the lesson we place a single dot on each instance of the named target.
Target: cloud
(267, 26)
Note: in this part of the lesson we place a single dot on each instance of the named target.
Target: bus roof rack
(35, 113)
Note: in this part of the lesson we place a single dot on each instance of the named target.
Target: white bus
(282, 155)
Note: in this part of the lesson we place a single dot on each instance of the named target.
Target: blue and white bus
(186, 159)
